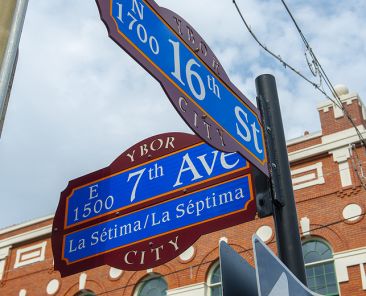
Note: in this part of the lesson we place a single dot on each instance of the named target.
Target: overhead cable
(322, 73)
(314, 66)
(208, 262)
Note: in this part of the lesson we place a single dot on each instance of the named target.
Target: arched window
(153, 286)
(85, 292)
(214, 280)
(319, 266)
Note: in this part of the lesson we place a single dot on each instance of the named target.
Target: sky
(78, 100)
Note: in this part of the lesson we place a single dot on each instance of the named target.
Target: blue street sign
(150, 180)
(151, 204)
(237, 275)
(273, 277)
(190, 74)
(192, 209)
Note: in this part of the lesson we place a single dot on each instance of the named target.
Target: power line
(328, 174)
(318, 69)
(322, 73)
(192, 266)
(357, 165)
(240, 252)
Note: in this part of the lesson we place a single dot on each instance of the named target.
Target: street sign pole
(284, 208)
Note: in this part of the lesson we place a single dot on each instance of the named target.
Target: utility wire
(240, 252)
(329, 174)
(337, 101)
(186, 268)
(357, 165)
(278, 57)
(322, 73)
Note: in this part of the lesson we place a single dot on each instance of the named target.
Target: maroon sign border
(187, 236)
(214, 139)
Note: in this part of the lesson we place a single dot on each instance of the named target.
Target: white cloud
(79, 101)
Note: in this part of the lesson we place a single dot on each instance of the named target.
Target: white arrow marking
(281, 287)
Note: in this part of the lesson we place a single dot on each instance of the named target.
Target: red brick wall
(330, 125)
(304, 144)
(321, 211)
(322, 204)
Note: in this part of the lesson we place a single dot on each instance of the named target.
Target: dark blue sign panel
(150, 180)
(273, 277)
(238, 277)
(152, 203)
(190, 74)
(195, 208)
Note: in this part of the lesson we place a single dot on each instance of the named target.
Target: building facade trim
(23, 237)
(31, 254)
(191, 290)
(304, 138)
(25, 224)
(309, 179)
(329, 143)
(343, 260)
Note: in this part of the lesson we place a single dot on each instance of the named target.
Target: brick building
(329, 184)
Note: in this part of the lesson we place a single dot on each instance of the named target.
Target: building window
(214, 280)
(319, 266)
(153, 286)
(85, 292)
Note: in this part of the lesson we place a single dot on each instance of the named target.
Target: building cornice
(25, 224)
(304, 138)
(26, 236)
(347, 98)
(329, 143)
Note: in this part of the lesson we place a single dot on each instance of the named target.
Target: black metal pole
(284, 208)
